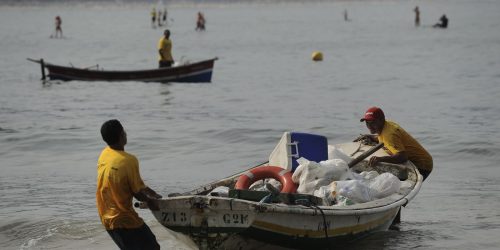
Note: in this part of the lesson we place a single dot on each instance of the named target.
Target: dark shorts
(165, 64)
(134, 239)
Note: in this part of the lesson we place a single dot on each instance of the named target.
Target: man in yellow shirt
(400, 145)
(118, 181)
(165, 50)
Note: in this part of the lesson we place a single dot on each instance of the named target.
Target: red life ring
(282, 175)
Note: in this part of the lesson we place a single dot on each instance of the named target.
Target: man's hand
(153, 204)
(149, 196)
(150, 192)
(373, 161)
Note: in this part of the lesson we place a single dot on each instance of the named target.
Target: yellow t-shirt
(396, 140)
(118, 179)
(166, 46)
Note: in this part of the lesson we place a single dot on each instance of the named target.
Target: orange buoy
(282, 175)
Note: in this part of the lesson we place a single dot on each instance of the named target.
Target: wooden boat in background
(241, 220)
(197, 72)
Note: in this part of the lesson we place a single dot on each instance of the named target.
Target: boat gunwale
(88, 70)
(356, 209)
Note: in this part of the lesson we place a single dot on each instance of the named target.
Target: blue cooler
(294, 145)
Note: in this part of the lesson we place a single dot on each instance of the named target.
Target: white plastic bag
(325, 194)
(337, 153)
(385, 185)
(354, 190)
(369, 175)
(336, 169)
(306, 170)
(361, 191)
(311, 175)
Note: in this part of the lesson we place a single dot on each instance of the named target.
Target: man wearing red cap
(400, 145)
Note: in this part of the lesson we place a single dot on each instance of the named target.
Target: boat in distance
(241, 219)
(197, 72)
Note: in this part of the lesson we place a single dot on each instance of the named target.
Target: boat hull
(340, 231)
(213, 222)
(199, 72)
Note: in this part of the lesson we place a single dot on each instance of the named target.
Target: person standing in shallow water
(200, 22)
(346, 17)
(159, 18)
(58, 23)
(417, 16)
(165, 50)
(165, 16)
(118, 181)
(153, 17)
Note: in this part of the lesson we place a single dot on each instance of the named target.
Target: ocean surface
(442, 86)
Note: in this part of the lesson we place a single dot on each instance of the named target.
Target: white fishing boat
(243, 218)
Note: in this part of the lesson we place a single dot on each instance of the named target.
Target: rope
(324, 224)
(357, 150)
(307, 203)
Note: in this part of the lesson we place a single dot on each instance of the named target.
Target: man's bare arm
(149, 196)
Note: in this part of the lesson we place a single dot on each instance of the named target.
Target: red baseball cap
(373, 113)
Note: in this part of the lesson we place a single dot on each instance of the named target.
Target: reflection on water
(164, 91)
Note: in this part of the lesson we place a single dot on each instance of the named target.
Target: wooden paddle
(365, 154)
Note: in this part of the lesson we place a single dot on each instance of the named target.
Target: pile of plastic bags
(333, 181)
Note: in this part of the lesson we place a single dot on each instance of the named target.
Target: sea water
(441, 85)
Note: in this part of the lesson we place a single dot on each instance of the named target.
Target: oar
(365, 154)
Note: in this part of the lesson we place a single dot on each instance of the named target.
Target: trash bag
(311, 175)
(337, 153)
(327, 194)
(369, 175)
(354, 190)
(362, 190)
(384, 185)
